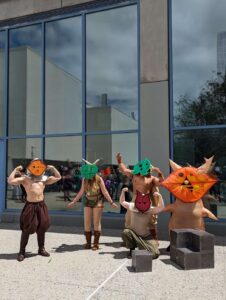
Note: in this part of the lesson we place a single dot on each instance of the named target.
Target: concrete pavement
(74, 273)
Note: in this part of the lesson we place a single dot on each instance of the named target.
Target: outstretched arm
(55, 177)
(169, 208)
(106, 194)
(122, 166)
(16, 181)
(161, 205)
(207, 213)
(78, 196)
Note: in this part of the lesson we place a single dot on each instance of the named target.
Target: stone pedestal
(192, 249)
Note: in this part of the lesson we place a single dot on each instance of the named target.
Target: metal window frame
(43, 19)
(174, 129)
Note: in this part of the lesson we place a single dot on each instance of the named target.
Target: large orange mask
(189, 184)
(37, 167)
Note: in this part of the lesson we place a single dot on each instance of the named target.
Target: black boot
(130, 252)
(23, 244)
(168, 248)
(41, 243)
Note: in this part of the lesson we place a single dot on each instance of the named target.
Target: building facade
(87, 79)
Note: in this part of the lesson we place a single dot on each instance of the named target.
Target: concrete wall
(154, 40)
(18, 8)
(154, 97)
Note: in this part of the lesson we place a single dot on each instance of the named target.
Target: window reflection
(20, 152)
(65, 153)
(199, 62)
(111, 70)
(191, 147)
(105, 147)
(63, 76)
(25, 80)
(2, 65)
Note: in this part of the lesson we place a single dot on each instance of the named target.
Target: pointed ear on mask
(174, 166)
(207, 166)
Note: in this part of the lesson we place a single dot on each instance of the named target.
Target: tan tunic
(140, 223)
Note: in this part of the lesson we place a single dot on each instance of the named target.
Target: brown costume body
(190, 184)
(188, 215)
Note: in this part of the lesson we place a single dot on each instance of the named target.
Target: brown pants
(34, 218)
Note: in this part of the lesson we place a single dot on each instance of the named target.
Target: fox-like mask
(189, 184)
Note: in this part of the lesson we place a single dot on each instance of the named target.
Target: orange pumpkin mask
(189, 184)
(37, 167)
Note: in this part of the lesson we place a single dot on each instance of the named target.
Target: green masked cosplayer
(93, 190)
(145, 193)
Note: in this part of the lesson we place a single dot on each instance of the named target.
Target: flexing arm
(55, 177)
(122, 166)
(161, 205)
(122, 200)
(16, 181)
(106, 194)
(160, 178)
(78, 196)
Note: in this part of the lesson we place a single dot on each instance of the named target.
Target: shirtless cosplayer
(144, 187)
(34, 216)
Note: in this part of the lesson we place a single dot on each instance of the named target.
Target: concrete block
(207, 260)
(188, 259)
(142, 261)
(181, 238)
(173, 253)
(202, 240)
(192, 249)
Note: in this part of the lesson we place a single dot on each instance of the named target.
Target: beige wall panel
(154, 41)
(155, 135)
(73, 2)
(18, 8)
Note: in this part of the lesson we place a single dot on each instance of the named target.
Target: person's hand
(19, 168)
(114, 205)
(125, 189)
(71, 204)
(155, 169)
(119, 158)
(49, 167)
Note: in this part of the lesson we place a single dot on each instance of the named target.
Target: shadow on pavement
(13, 256)
(68, 248)
(167, 261)
(116, 255)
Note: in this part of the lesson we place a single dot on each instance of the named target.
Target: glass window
(191, 146)
(64, 76)
(25, 80)
(199, 62)
(20, 152)
(2, 67)
(105, 147)
(111, 70)
(65, 153)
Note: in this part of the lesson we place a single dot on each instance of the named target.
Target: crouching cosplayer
(34, 216)
(138, 231)
(93, 190)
